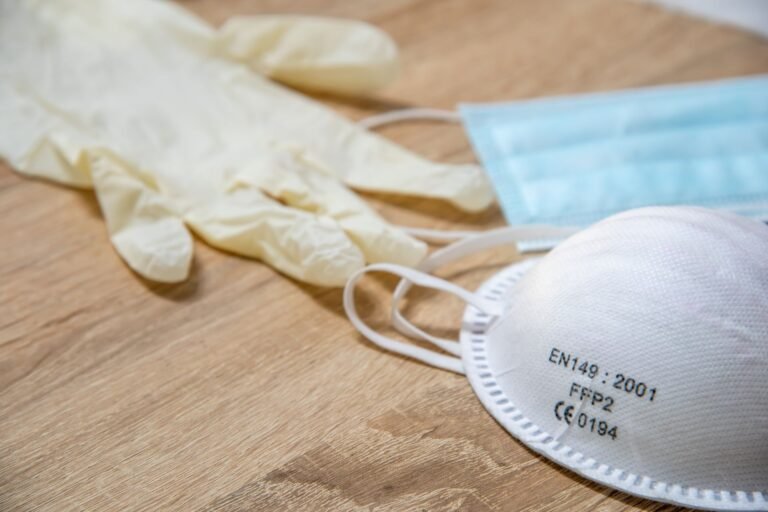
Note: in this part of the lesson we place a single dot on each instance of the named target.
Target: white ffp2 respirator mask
(635, 353)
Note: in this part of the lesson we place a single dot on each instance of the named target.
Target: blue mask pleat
(577, 160)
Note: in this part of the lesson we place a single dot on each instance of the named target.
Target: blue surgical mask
(575, 160)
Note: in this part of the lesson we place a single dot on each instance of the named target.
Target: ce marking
(563, 413)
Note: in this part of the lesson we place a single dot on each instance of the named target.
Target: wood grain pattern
(243, 390)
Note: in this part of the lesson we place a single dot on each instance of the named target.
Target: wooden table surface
(241, 389)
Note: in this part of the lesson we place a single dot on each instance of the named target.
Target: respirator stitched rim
(474, 337)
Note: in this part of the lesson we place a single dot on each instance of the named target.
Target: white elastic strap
(445, 236)
(409, 114)
(436, 236)
(441, 236)
(458, 250)
(413, 276)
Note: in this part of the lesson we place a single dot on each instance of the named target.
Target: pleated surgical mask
(635, 353)
(574, 160)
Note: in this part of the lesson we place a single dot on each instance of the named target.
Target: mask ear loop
(409, 114)
(436, 236)
(442, 236)
(476, 243)
(446, 362)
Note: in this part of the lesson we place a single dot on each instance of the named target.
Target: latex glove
(143, 102)
(320, 54)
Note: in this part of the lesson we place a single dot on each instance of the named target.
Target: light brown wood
(243, 390)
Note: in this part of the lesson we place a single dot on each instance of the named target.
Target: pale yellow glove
(142, 102)
(319, 54)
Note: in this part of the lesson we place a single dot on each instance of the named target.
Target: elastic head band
(452, 362)
(466, 246)
(430, 357)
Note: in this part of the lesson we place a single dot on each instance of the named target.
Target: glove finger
(294, 181)
(143, 227)
(380, 166)
(302, 245)
(322, 54)
(366, 161)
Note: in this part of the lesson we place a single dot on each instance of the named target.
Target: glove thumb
(143, 227)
